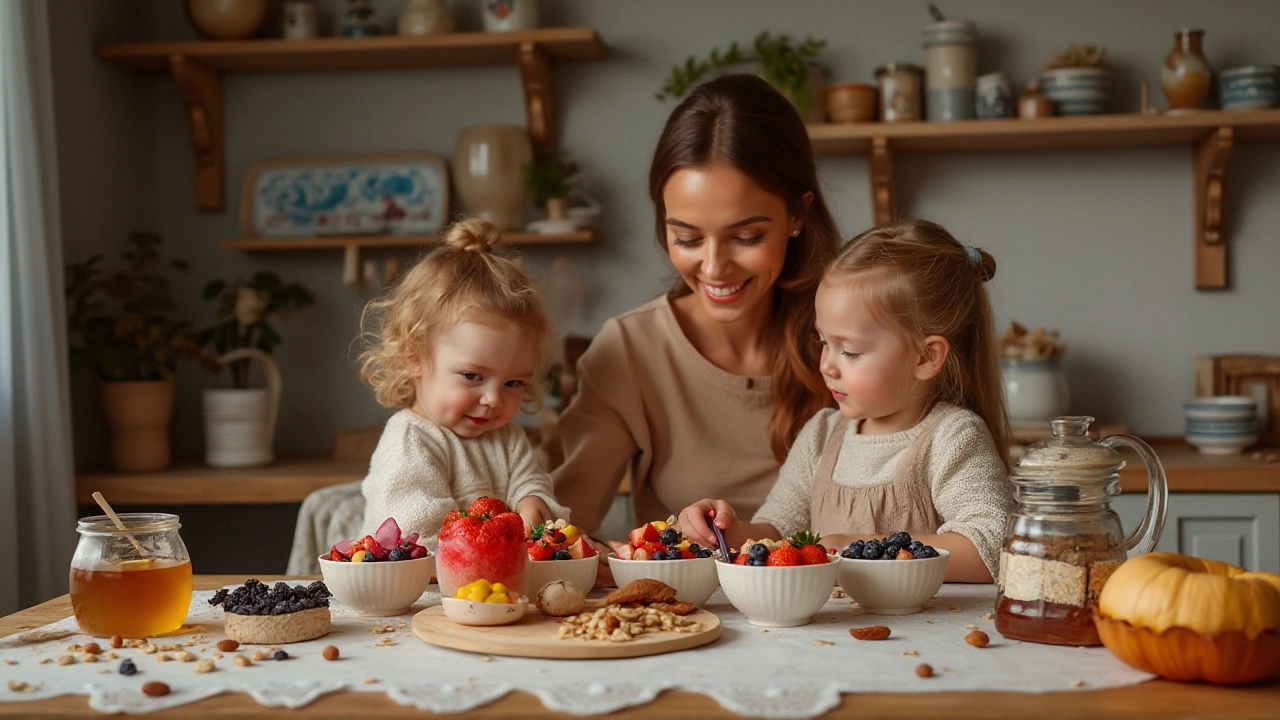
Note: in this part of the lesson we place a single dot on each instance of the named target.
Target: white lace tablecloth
(780, 673)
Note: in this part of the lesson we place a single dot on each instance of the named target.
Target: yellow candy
(478, 595)
(483, 583)
(499, 588)
(497, 598)
(462, 592)
(571, 534)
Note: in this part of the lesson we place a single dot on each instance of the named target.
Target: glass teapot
(1063, 540)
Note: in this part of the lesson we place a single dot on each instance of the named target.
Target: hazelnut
(155, 689)
(924, 670)
(330, 652)
(228, 645)
(92, 648)
(977, 638)
(117, 641)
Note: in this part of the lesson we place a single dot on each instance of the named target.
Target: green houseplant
(784, 64)
(119, 327)
(240, 422)
(550, 179)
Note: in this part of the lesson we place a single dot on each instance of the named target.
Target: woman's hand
(693, 521)
(533, 510)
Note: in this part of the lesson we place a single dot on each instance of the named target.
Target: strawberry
(814, 555)
(654, 547)
(741, 560)
(686, 554)
(784, 556)
(465, 526)
(489, 506)
(539, 552)
(651, 533)
(451, 517)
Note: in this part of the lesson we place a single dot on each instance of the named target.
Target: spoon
(106, 507)
(724, 547)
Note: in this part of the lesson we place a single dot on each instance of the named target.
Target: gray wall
(1094, 243)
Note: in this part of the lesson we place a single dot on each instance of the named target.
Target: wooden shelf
(395, 241)
(1211, 134)
(198, 68)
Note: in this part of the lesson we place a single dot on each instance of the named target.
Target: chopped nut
(261, 655)
(1256, 455)
(155, 689)
(910, 653)
(970, 627)
(330, 652)
(874, 632)
(977, 638)
(924, 670)
(172, 647)
(88, 657)
(242, 661)
(163, 657)
(988, 616)
(148, 649)
(184, 656)
(953, 608)
(370, 680)
(205, 666)
(488, 658)
(7, 661)
(228, 645)
(66, 659)
(92, 648)
(822, 642)
(111, 655)
(18, 686)
(43, 661)
(382, 629)
(1078, 682)
(217, 656)
(117, 641)
(386, 642)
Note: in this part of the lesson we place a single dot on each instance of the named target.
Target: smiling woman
(704, 389)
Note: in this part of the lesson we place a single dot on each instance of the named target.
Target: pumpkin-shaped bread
(1184, 618)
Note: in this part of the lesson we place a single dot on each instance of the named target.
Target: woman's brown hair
(742, 122)
(461, 280)
(919, 279)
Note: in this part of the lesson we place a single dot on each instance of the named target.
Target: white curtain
(37, 480)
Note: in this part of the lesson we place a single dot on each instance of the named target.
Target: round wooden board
(538, 636)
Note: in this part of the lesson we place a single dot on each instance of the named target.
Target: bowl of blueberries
(892, 576)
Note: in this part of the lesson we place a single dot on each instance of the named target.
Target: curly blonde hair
(461, 279)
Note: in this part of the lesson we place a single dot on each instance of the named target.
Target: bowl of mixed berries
(894, 575)
(659, 551)
(559, 551)
(380, 574)
(779, 583)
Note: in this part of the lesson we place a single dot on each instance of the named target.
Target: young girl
(919, 441)
(460, 344)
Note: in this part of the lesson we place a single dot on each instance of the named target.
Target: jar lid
(1069, 450)
(951, 32)
(134, 523)
(894, 67)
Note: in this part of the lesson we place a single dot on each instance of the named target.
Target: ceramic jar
(1185, 75)
(361, 20)
(951, 63)
(230, 19)
(1252, 87)
(994, 96)
(425, 17)
(488, 170)
(1077, 90)
(138, 414)
(240, 424)
(1033, 104)
(851, 103)
(1034, 390)
(899, 91)
(300, 20)
(504, 15)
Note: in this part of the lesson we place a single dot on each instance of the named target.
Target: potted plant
(240, 422)
(791, 68)
(119, 329)
(550, 179)
(1078, 80)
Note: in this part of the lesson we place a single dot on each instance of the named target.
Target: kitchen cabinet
(1239, 528)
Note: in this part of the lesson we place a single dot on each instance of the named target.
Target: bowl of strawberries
(484, 541)
(779, 583)
(380, 574)
(659, 551)
(559, 551)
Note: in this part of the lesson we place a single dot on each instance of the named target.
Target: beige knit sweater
(649, 401)
(969, 484)
(420, 471)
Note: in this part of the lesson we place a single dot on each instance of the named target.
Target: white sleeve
(409, 480)
(971, 489)
(527, 478)
(787, 506)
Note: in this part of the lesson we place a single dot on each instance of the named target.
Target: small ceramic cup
(851, 102)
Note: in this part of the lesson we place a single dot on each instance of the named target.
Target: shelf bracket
(1211, 245)
(535, 73)
(884, 191)
(200, 87)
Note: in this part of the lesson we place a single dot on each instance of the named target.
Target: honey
(1046, 622)
(132, 598)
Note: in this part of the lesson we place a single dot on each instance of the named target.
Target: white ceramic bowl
(893, 587)
(778, 596)
(1221, 444)
(581, 573)
(694, 579)
(1221, 408)
(470, 612)
(378, 588)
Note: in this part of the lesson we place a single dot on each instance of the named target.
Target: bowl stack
(1252, 87)
(1222, 425)
(1077, 90)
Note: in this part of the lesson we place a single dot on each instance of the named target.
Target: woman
(704, 389)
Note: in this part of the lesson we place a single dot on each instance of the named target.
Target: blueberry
(397, 555)
(670, 536)
(755, 563)
(370, 557)
(930, 551)
(900, 539)
(561, 554)
(127, 667)
(704, 553)
(913, 546)
(872, 550)
(279, 655)
(695, 548)
(891, 549)
(675, 554)
(758, 552)
(346, 559)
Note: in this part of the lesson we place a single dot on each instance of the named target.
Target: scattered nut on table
(117, 641)
(228, 645)
(205, 666)
(92, 648)
(242, 661)
(155, 689)
(977, 638)
(330, 652)
(874, 632)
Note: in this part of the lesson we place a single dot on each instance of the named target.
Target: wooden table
(1157, 699)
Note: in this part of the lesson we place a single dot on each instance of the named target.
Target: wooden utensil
(106, 508)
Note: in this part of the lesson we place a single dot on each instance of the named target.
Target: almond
(903, 554)
(924, 670)
(977, 638)
(228, 645)
(875, 632)
(92, 648)
(155, 689)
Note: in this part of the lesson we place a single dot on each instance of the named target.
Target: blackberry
(913, 546)
(670, 536)
(397, 555)
(901, 539)
(127, 667)
(279, 655)
(758, 552)
(561, 554)
(872, 550)
(254, 598)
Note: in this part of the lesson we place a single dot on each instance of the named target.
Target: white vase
(488, 170)
(240, 425)
(503, 15)
(425, 17)
(1034, 390)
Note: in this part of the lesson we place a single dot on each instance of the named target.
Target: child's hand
(693, 521)
(533, 510)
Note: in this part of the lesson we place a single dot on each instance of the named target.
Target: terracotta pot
(1227, 658)
(488, 170)
(231, 19)
(1033, 104)
(138, 415)
(1185, 75)
(851, 103)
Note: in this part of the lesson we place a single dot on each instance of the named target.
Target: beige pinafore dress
(904, 503)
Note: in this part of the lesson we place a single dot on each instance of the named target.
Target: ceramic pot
(300, 21)
(899, 91)
(1034, 390)
(994, 96)
(425, 17)
(1252, 87)
(851, 103)
(1033, 104)
(488, 170)
(138, 414)
(951, 64)
(1185, 75)
(240, 424)
(230, 19)
(504, 15)
(1077, 90)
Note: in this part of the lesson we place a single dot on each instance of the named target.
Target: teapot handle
(272, 372)
(1148, 533)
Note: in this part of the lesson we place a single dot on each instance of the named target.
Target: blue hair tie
(975, 255)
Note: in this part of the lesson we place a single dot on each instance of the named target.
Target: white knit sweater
(420, 471)
(968, 483)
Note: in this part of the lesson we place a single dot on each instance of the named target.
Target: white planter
(240, 425)
(1034, 390)
(504, 15)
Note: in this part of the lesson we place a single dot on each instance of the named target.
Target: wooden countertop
(1156, 699)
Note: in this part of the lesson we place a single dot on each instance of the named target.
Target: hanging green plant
(784, 65)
